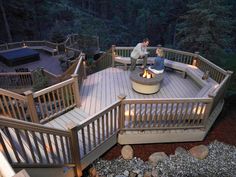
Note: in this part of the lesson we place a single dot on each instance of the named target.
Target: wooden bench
(53, 51)
(207, 86)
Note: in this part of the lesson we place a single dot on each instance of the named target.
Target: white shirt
(138, 51)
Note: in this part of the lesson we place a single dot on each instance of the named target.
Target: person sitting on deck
(158, 66)
(139, 52)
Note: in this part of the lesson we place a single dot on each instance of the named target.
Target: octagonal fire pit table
(145, 82)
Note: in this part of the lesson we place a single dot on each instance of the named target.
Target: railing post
(195, 59)
(113, 54)
(121, 113)
(84, 66)
(75, 151)
(31, 106)
(209, 109)
(76, 89)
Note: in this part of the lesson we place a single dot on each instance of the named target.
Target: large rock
(156, 157)
(93, 172)
(179, 150)
(127, 152)
(147, 174)
(199, 152)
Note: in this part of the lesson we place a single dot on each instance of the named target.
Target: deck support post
(113, 54)
(121, 113)
(31, 106)
(75, 152)
(76, 90)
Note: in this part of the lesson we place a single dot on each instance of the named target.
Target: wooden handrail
(53, 87)
(91, 119)
(169, 100)
(11, 94)
(14, 123)
(212, 65)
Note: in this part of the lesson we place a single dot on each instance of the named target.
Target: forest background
(207, 26)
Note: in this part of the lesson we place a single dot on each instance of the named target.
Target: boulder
(200, 152)
(147, 174)
(126, 173)
(133, 174)
(154, 172)
(156, 157)
(127, 152)
(93, 172)
(180, 150)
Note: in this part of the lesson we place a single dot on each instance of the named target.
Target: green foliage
(40, 81)
(206, 27)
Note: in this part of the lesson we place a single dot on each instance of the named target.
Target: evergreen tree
(206, 27)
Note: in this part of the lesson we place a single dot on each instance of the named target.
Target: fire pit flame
(146, 74)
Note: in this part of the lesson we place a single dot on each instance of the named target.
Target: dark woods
(207, 26)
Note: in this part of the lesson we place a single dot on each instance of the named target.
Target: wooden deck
(101, 89)
(47, 61)
(68, 120)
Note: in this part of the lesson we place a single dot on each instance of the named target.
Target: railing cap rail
(15, 123)
(53, 87)
(90, 119)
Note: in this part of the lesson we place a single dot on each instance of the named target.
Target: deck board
(103, 88)
(69, 119)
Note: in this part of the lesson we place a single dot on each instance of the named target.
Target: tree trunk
(6, 22)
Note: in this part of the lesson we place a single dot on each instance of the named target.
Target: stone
(147, 174)
(127, 152)
(93, 172)
(132, 174)
(126, 173)
(154, 173)
(200, 152)
(156, 157)
(180, 150)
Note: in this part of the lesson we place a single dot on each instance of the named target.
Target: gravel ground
(220, 162)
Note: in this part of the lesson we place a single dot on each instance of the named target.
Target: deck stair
(70, 119)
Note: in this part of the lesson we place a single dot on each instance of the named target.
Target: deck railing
(16, 80)
(55, 99)
(92, 137)
(99, 132)
(23, 44)
(216, 73)
(80, 42)
(13, 105)
(43, 105)
(155, 114)
(104, 61)
(98, 128)
(29, 145)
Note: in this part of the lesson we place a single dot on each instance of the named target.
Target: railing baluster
(57, 148)
(30, 146)
(45, 148)
(19, 138)
(98, 130)
(37, 146)
(89, 138)
(63, 151)
(94, 135)
(5, 149)
(51, 148)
